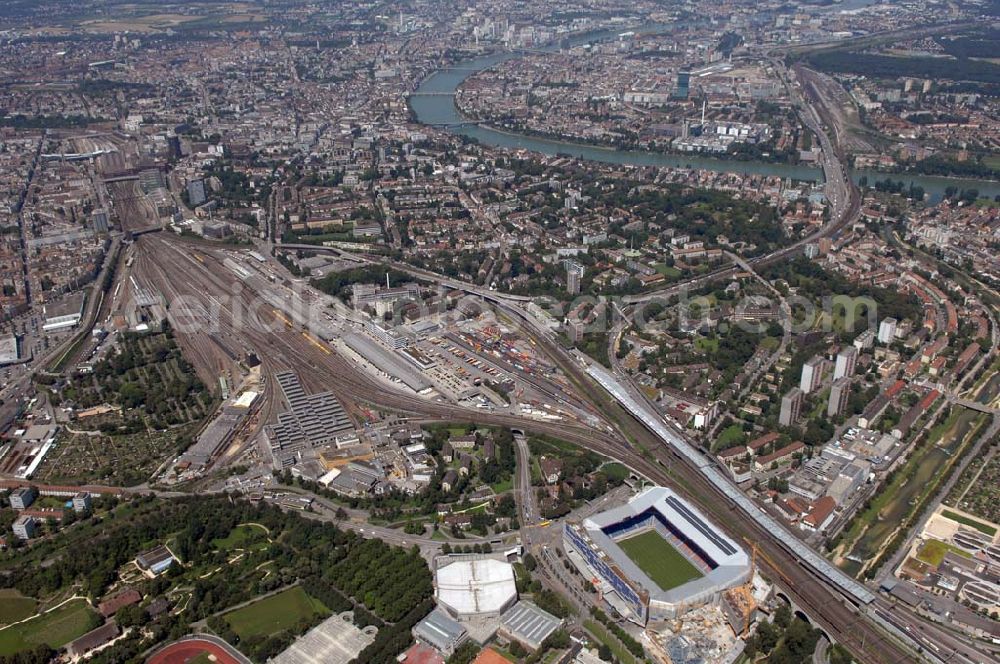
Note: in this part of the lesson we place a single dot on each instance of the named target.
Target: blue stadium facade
(592, 545)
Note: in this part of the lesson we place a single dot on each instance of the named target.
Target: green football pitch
(659, 560)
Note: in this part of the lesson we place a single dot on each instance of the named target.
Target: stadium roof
(732, 564)
(470, 587)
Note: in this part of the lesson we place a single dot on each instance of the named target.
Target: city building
(155, 561)
(22, 497)
(100, 220)
(26, 527)
(605, 548)
(683, 89)
(820, 515)
(528, 625)
(574, 277)
(65, 313)
(386, 335)
(383, 299)
(9, 350)
(839, 394)
(887, 330)
(847, 359)
(311, 421)
(93, 639)
(778, 457)
(196, 193)
(812, 374)
(864, 341)
(482, 588)
(81, 502)
(791, 404)
(217, 230)
(127, 597)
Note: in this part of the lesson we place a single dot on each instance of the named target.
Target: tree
(530, 563)
(782, 616)
(768, 635)
(465, 653)
(130, 616)
(838, 654)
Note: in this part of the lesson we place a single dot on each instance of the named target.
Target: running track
(185, 650)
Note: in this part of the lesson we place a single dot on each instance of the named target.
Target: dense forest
(979, 42)
(704, 214)
(885, 66)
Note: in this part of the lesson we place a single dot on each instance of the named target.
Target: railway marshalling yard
(231, 307)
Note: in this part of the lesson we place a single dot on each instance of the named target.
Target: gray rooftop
(311, 421)
(215, 435)
(529, 624)
(387, 361)
(439, 630)
(70, 305)
(8, 349)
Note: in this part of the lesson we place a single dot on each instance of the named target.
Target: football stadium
(655, 557)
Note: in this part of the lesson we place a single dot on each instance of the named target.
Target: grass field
(14, 606)
(934, 551)
(274, 614)
(666, 270)
(240, 536)
(56, 628)
(706, 345)
(660, 561)
(972, 523)
(729, 437)
(502, 486)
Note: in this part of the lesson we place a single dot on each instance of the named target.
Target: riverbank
(433, 103)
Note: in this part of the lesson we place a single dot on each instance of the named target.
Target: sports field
(196, 651)
(56, 628)
(275, 613)
(659, 560)
(14, 606)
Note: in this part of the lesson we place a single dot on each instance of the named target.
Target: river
(433, 103)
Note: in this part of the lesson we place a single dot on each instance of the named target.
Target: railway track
(638, 448)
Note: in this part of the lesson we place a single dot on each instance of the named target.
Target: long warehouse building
(387, 361)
